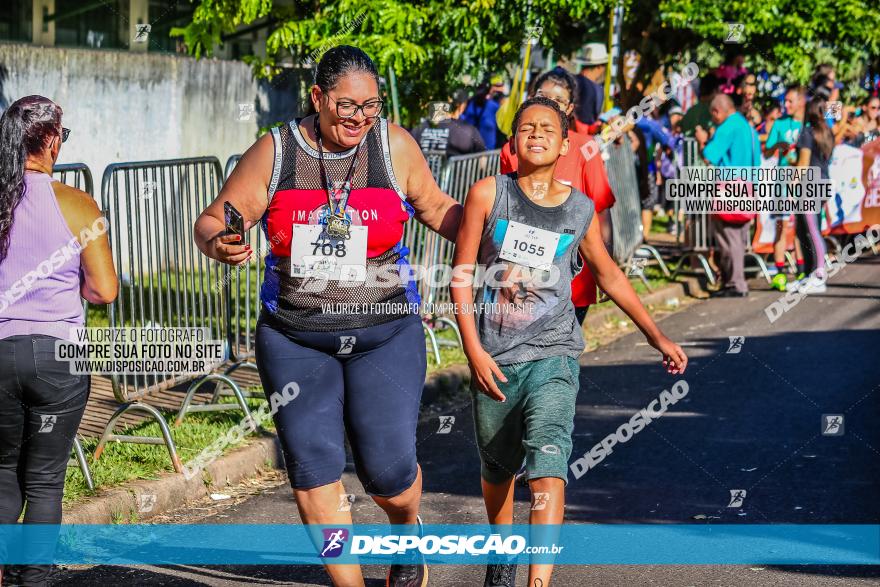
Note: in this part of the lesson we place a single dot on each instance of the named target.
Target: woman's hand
(483, 367)
(225, 249)
(674, 358)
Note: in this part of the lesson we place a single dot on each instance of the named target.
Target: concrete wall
(128, 106)
(137, 106)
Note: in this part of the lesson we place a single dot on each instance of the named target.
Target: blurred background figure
(746, 90)
(770, 113)
(654, 137)
(780, 145)
(591, 87)
(669, 159)
(814, 147)
(734, 144)
(482, 108)
(729, 71)
(698, 114)
(445, 131)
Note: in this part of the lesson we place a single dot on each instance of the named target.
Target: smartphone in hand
(234, 220)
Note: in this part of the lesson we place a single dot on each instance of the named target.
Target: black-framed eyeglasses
(346, 109)
(65, 132)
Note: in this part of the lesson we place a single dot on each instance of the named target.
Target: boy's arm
(476, 209)
(613, 282)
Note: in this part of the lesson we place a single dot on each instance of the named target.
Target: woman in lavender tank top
(50, 259)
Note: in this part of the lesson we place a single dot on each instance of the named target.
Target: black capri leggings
(365, 381)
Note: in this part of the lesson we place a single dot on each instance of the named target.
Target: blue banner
(571, 544)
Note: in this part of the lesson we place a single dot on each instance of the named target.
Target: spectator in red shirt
(585, 174)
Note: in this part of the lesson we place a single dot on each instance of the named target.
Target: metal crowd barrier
(242, 301)
(436, 162)
(698, 234)
(696, 239)
(165, 281)
(628, 247)
(79, 176)
(459, 173)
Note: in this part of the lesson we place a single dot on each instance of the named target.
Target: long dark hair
(26, 128)
(815, 117)
(561, 77)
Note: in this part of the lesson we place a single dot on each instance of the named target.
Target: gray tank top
(530, 255)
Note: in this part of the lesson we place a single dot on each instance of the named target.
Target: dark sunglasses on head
(65, 132)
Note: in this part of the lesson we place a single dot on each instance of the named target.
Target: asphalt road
(751, 420)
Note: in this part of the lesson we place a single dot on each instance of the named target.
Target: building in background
(133, 95)
(114, 24)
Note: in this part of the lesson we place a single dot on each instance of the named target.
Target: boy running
(526, 229)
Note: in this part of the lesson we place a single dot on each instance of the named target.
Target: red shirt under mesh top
(586, 175)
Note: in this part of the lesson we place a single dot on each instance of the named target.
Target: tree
(788, 37)
(431, 45)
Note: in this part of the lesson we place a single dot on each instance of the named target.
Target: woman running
(587, 175)
(45, 227)
(332, 192)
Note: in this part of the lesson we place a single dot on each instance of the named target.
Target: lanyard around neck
(337, 198)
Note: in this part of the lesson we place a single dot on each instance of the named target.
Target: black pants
(41, 405)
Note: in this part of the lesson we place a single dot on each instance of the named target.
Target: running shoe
(815, 284)
(808, 285)
(779, 281)
(412, 575)
(500, 576)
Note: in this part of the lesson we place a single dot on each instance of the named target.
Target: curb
(669, 297)
(141, 500)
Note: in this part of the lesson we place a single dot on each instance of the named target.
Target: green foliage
(212, 18)
(787, 37)
(433, 45)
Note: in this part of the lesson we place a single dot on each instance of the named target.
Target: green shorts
(534, 424)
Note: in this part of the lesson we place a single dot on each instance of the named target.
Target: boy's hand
(483, 367)
(674, 358)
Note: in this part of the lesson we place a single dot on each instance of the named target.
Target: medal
(337, 227)
(337, 222)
